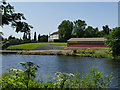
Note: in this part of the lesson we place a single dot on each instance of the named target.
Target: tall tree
(39, 38)
(35, 36)
(24, 36)
(10, 17)
(65, 30)
(113, 41)
(79, 28)
(29, 36)
(91, 32)
(106, 30)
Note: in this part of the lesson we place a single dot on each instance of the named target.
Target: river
(69, 64)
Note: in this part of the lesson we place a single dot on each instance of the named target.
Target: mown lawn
(31, 46)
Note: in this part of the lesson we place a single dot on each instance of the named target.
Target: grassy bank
(80, 53)
(31, 46)
(84, 48)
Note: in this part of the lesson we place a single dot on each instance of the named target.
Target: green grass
(31, 46)
(84, 48)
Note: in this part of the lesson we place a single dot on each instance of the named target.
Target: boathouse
(86, 42)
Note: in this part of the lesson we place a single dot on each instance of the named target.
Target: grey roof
(87, 39)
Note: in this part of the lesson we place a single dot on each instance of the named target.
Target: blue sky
(45, 17)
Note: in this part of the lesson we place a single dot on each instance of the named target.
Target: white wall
(52, 37)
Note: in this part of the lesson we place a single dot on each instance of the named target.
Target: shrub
(26, 78)
(59, 53)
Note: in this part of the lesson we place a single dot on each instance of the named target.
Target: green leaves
(65, 30)
(113, 41)
(25, 79)
(15, 19)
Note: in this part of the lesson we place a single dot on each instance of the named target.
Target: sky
(45, 17)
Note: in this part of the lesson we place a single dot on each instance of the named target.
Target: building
(86, 42)
(54, 37)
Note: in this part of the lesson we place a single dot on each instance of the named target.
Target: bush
(26, 78)
(59, 53)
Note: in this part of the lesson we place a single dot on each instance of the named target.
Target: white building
(54, 37)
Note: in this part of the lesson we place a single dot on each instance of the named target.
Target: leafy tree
(24, 36)
(65, 30)
(79, 28)
(35, 36)
(39, 38)
(29, 36)
(106, 30)
(113, 41)
(44, 38)
(10, 17)
(91, 32)
(11, 37)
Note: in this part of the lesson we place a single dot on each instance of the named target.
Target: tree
(39, 38)
(44, 38)
(91, 32)
(106, 30)
(35, 36)
(1, 36)
(11, 37)
(113, 41)
(65, 30)
(24, 36)
(9, 16)
(29, 36)
(79, 28)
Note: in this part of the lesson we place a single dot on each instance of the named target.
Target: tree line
(79, 29)
(39, 38)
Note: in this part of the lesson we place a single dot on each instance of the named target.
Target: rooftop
(54, 33)
(87, 39)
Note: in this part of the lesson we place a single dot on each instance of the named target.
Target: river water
(69, 64)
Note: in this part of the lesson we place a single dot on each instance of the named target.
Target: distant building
(54, 37)
(86, 42)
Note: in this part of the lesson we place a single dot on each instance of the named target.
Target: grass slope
(31, 46)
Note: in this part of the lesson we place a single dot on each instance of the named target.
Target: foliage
(24, 36)
(91, 32)
(106, 30)
(9, 16)
(39, 38)
(35, 36)
(29, 36)
(65, 30)
(44, 38)
(60, 53)
(29, 71)
(26, 78)
(113, 41)
(79, 28)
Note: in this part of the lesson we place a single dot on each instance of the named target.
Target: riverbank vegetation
(26, 78)
(84, 48)
(81, 53)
